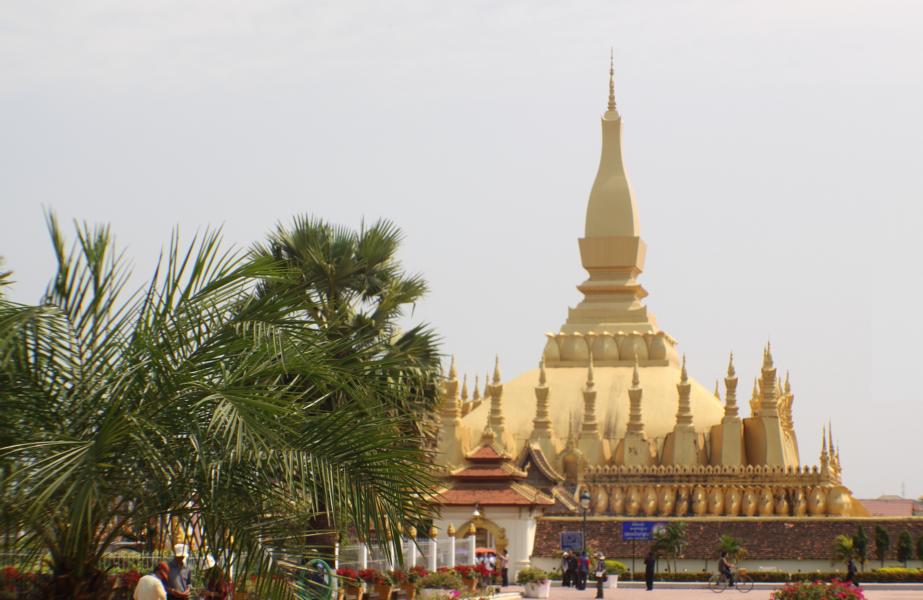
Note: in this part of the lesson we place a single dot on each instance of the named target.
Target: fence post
(431, 558)
(363, 556)
(451, 551)
(472, 548)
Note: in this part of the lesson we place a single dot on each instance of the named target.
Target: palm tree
(194, 398)
(733, 546)
(671, 541)
(843, 548)
(350, 286)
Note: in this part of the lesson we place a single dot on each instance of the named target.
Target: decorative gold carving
(649, 501)
(716, 501)
(766, 502)
(699, 501)
(817, 501)
(666, 496)
(750, 502)
(682, 502)
(732, 501)
(633, 501)
(781, 505)
(799, 503)
(617, 500)
(600, 500)
(838, 501)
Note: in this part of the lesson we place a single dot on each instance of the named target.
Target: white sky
(774, 149)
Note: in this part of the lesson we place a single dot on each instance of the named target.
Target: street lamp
(477, 510)
(585, 505)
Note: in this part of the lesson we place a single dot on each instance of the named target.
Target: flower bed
(816, 590)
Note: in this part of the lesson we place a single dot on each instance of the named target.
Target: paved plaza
(759, 593)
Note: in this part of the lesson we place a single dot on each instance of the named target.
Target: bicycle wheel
(743, 584)
(717, 583)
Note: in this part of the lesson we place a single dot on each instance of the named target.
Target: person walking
(153, 586)
(572, 563)
(851, 572)
(649, 563)
(179, 577)
(583, 570)
(600, 574)
(503, 563)
(565, 569)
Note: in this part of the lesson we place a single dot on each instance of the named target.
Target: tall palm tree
(195, 398)
(351, 287)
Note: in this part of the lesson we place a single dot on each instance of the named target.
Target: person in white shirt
(153, 585)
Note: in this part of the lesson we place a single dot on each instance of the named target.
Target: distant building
(890, 505)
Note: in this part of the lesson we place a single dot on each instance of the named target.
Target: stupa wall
(767, 538)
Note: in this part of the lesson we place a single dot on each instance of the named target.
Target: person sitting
(726, 568)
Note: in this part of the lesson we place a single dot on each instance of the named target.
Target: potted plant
(469, 576)
(535, 581)
(351, 588)
(383, 584)
(444, 583)
(411, 581)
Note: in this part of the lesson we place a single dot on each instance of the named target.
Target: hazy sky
(774, 149)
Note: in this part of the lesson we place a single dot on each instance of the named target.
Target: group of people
(173, 580)
(575, 570)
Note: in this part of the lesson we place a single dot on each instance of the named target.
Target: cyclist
(726, 568)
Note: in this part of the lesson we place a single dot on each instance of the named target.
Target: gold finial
(683, 376)
(541, 371)
(717, 394)
(823, 435)
(477, 392)
(767, 356)
(453, 374)
(450, 530)
(611, 79)
(464, 393)
(412, 532)
(433, 532)
(635, 377)
(788, 385)
(486, 386)
(731, 372)
(497, 370)
(472, 530)
(830, 433)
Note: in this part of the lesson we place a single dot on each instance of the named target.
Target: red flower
(348, 574)
(129, 579)
(368, 575)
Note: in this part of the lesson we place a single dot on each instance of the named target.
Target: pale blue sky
(774, 149)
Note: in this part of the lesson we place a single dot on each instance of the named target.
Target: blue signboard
(641, 531)
(572, 541)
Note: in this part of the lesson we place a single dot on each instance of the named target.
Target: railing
(430, 553)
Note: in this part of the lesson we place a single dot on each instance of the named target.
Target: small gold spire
(472, 530)
(823, 435)
(683, 376)
(788, 385)
(731, 372)
(464, 392)
(412, 532)
(496, 379)
(611, 79)
(433, 532)
(767, 356)
(541, 371)
(486, 385)
(717, 394)
(477, 392)
(589, 372)
(450, 530)
(453, 374)
(635, 377)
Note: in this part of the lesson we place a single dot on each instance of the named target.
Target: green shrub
(531, 575)
(443, 579)
(614, 567)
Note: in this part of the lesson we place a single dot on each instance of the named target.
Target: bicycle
(742, 582)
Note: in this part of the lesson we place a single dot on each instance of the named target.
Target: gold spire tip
(683, 375)
(453, 374)
(635, 376)
(497, 370)
(611, 105)
(541, 371)
(731, 372)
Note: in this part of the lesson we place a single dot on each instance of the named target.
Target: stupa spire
(730, 394)
(541, 425)
(684, 412)
(590, 426)
(477, 393)
(611, 105)
(635, 423)
(464, 390)
(497, 420)
(769, 402)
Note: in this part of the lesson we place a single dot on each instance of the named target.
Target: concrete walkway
(761, 593)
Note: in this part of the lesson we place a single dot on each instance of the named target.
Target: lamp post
(585, 505)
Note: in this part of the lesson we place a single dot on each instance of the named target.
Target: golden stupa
(611, 409)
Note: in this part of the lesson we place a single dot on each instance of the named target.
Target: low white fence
(430, 553)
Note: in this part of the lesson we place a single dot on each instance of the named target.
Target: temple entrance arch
(487, 534)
